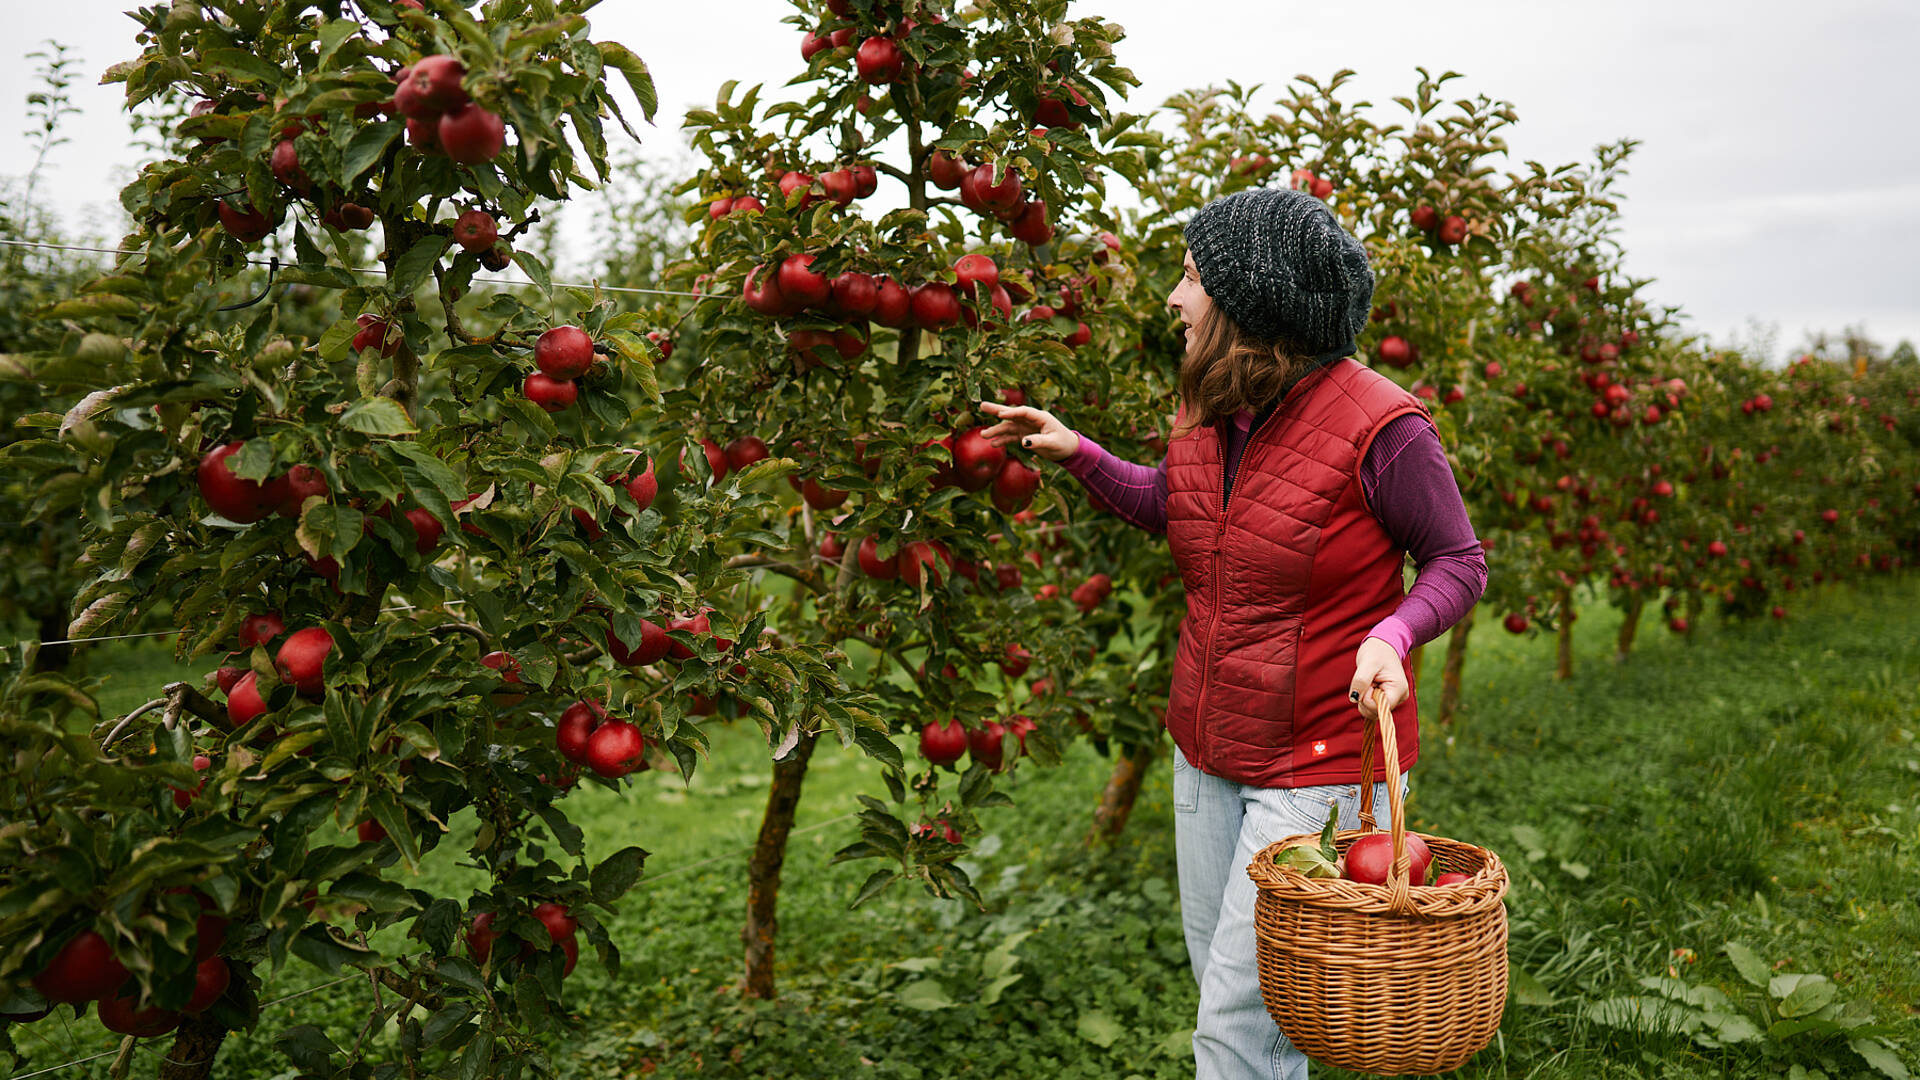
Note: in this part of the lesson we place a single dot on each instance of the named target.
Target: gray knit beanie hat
(1280, 265)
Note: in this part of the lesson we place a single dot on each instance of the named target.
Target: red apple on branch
(244, 702)
(975, 270)
(475, 231)
(651, 648)
(878, 60)
(1014, 485)
(744, 451)
(564, 352)
(552, 395)
(800, 285)
(260, 629)
(872, 565)
(976, 461)
(943, 742)
(237, 500)
(302, 658)
(615, 749)
(935, 307)
(472, 135)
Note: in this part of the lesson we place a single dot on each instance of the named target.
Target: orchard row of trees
(467, 550)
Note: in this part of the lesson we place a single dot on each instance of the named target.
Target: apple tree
(444, 543)
(925, 227)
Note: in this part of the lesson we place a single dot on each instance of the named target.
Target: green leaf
(536, 269)
(377, 894)
(438, 924)
(412, 268)
(1530, 839)
(874, 885)
(1878, 1054)
(924, 995)
(1747, 963)
(478, 1057)
(1641, 1012)
(991, 994)
(1728, 1027)
(324, 951)
(332, 35)
(461, 972)
(90, 307)
(1810, 996)
(565, 833)
(377, 416)
(620, 57)
(1527, 989)
(369, 143)
(1099, 1028)
(308, 1048)
(617, 873)
(245, 66)
(327, 529)
(1310, 861)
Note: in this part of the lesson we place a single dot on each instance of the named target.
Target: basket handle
(1399, 897)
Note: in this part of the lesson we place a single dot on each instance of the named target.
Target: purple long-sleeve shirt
(1408, 486)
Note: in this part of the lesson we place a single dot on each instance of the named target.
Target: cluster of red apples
(86, 970)
(441, 120)
(301, 663)
(560, 925)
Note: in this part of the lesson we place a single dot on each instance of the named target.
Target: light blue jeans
(1218, 828)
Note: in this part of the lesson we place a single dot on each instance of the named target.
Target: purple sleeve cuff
(1084, 457)
(1394, 631)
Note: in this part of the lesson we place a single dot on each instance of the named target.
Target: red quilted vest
(1284, 577)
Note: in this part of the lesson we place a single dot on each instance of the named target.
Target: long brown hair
(1227, 369)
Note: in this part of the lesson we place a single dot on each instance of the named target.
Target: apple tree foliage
(389, 483)
(973, 605)
(1589, 434)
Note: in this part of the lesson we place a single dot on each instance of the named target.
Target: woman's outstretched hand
(1034, 429)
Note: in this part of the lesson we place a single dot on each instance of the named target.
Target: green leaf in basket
(1326, 834)
(1310, 861)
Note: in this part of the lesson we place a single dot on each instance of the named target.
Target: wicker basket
(1384, 978)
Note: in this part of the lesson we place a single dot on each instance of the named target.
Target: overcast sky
(1778, 181)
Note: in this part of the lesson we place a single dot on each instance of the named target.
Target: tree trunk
(1450, 671)
(195, 1045)
(1414, 656)
(1123, 785)
(1623, 646)
(1563, 668)
(763, 870)
(53, 627)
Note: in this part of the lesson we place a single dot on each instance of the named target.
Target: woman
(1295, 485)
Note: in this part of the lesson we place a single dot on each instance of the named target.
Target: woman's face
(1189, 300)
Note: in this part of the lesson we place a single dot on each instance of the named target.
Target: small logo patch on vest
(1319, 747)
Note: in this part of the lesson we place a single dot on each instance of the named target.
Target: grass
(1758, 784)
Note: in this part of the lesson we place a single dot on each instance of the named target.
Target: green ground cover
(1759, 785)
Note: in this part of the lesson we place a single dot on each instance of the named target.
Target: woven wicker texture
(1389, 979)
